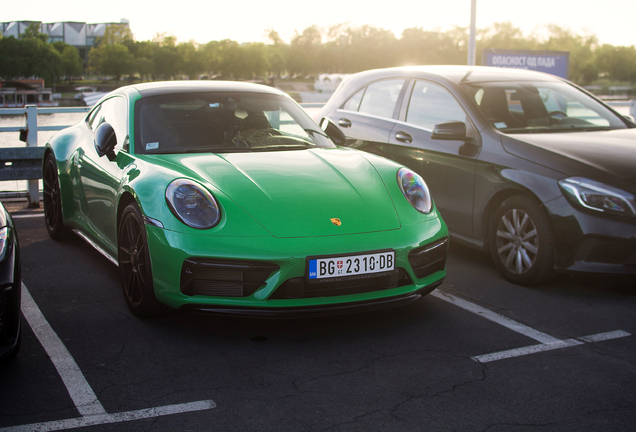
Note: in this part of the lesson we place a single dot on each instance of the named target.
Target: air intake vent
(221, 278)
(428, 259)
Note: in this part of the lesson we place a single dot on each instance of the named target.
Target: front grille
(297, 288)
(430, 258)
(609, 251)
(221, 278)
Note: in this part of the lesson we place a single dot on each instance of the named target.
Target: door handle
(343, 122)
(404, 137)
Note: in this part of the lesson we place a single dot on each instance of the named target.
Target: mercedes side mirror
(450, 131)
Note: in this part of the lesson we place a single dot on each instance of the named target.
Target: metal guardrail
(25, 163)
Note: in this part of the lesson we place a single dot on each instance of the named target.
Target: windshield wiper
(200, 150)
(217, 149)
(282, 147)
(313, 131)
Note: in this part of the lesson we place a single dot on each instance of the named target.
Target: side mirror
(450, 131)
(332, 131)
(105, 141)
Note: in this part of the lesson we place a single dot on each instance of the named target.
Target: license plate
(322, 269)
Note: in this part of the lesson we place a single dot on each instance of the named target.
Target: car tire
(521, 242)
(134, 265)
(52, 200)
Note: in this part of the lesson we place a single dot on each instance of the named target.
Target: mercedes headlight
(415, 190)
(192, 204)
(597, 196)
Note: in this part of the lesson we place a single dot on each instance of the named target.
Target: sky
(612, 21)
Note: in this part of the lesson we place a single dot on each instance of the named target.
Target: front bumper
(316, 311)
(287, 257)
(592, 242)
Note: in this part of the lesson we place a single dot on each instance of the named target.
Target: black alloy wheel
(521, 242)
(52, 200)
(134, 265)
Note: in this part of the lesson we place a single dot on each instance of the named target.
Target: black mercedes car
(10, 288)
(524, 164)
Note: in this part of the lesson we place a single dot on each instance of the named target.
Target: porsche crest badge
(336, 221)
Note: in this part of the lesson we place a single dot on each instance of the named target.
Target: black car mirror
(333, 131)
(105, 141)
(450, 131)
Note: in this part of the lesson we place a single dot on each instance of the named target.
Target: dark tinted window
(378, 99)
(113, 111)
(222, 122)
(353, 104)
(94, 117)
(430, 104)
(524, 107)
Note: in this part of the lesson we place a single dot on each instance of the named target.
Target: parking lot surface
(479, 354)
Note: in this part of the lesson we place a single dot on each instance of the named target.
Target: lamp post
(471, 40)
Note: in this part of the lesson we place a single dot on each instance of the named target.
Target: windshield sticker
(500, 125)
(152, 146)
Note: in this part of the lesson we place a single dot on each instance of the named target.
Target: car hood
(604, 154)
(298, 193)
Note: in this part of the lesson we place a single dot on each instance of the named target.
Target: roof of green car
(171, 87)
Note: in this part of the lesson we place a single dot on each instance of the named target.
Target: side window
(381, 97)
(353, 104)
(94, 118)
(114, 112)
(430, 104)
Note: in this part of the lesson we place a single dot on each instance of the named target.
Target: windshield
(223, 122)
(540, 107)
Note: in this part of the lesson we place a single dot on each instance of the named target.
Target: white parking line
(548, 342)
(94, 420)
(80, 391)
(495, 317)
(550, 346)
(518, 352)
(25, 216)
(82, 394)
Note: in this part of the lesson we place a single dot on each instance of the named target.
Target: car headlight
(5, 242)
(192, 204)
(415, 190)
(597, 196)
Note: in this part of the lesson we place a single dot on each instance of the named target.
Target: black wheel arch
(125, 199)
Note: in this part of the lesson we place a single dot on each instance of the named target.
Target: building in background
(81, 35)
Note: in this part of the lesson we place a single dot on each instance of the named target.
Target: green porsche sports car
(227, 197)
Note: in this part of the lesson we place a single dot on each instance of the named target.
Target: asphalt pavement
(479, 354)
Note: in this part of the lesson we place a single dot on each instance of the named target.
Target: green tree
(191, 60)
(583, 62)
(417, 46)
(166, 59)
(33, 32)
(116, 34)
(304, 52)
(110, 59)
(617, 63)
(71, 63)
(10, 54)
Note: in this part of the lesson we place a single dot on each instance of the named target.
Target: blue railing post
(33, 189)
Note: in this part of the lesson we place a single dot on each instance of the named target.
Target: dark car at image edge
(10, 288)
(523, 164)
